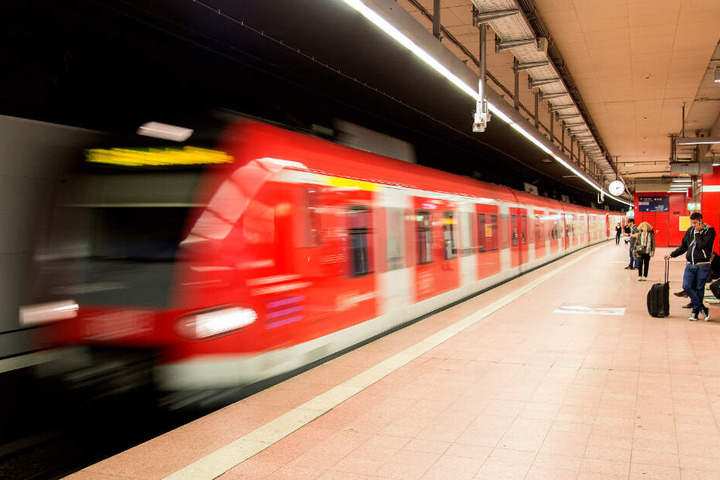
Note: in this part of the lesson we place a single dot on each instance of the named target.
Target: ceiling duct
(514, 33)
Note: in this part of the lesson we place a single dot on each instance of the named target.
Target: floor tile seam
(232, 454)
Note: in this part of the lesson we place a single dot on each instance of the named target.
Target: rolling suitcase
(658, 298)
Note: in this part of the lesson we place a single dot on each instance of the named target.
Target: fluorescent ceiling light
(164, 131)
(697, 140)
(399, 37)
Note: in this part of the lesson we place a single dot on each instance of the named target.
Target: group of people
(642, 246)
(697, 245)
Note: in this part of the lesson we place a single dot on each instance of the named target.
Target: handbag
(640, 249)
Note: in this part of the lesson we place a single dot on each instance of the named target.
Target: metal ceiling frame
(514, 33)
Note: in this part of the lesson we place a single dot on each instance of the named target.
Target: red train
(276, 250)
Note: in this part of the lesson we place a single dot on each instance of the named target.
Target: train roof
(268, 140)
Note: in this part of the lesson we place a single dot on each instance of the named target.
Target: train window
(466, 233)
(359, 231)
(538, 230)
(448, 235)
(523, 229)
(503, 226)
(395, 238)
(311, 222)
(513, 226)
(481, 233)
(424, 237)
(494, 233)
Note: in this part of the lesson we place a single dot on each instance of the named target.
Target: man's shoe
(689, 305)
(682, 293)
(706, 313)
(628, 268)
(693, 317)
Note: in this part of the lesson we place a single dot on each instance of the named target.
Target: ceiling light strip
(399, 37)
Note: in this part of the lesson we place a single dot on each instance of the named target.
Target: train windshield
(115, 237)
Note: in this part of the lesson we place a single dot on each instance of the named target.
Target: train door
(554, 237)
(436, 238)
(488, 240)
(514, 235)
(565, 222)
(661, 228)
(349, 289)
(524, 237)
(539, 233)
(608, 226)
(394, 278)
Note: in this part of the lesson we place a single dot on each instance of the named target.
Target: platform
(559, 374)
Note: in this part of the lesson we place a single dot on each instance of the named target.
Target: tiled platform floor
(524, 393)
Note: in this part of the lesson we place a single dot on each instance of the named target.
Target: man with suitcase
(697, 244)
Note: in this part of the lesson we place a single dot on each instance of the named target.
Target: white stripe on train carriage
(225, 458)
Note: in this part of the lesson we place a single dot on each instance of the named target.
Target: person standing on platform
(618, 232)
(644, 249)
(697, 244)
(633, 230)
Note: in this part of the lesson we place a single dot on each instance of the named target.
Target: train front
(111, 260)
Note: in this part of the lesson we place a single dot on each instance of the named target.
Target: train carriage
(280, 250)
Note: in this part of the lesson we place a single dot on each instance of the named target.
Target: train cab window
(424, 237)
(311, 220)
(466, 233)
(523, 229)
(395, 227)
(359, 231)
(449, 251)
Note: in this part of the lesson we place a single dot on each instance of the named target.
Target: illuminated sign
(349, 184)
(151, 157)
(654, 204)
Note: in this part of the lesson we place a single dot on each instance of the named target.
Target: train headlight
(216, 322)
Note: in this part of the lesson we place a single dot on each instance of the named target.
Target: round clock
(616, 187)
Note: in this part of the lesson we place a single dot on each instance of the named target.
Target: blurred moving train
(272, 251)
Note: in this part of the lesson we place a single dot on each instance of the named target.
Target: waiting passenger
(697, 244)
(644, 249)
(632, 237)
(618, 232)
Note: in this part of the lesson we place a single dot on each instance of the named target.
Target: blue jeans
(632, 256)
(694, 283)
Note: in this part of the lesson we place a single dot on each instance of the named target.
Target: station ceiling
(634, 63)
(305, 62)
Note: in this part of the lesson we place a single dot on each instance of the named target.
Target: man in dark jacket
(633, 229)
(697, 244)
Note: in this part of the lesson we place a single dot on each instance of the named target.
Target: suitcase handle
(667, 270)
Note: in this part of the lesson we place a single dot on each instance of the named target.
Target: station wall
(667, 225)
(33, 155)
